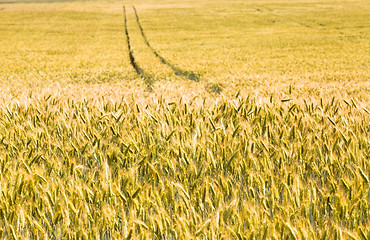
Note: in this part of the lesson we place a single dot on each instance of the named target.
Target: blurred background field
(319, 48)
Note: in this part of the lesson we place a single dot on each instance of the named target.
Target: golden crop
(192, 120)
(184, 170)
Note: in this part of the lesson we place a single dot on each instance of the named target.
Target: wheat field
(146, 119)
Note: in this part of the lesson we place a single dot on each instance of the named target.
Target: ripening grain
(180, 170)
(270, 141)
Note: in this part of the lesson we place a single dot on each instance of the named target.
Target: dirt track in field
(148, 80)
(176, 70)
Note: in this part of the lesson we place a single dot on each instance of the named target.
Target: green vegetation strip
(173, 170)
